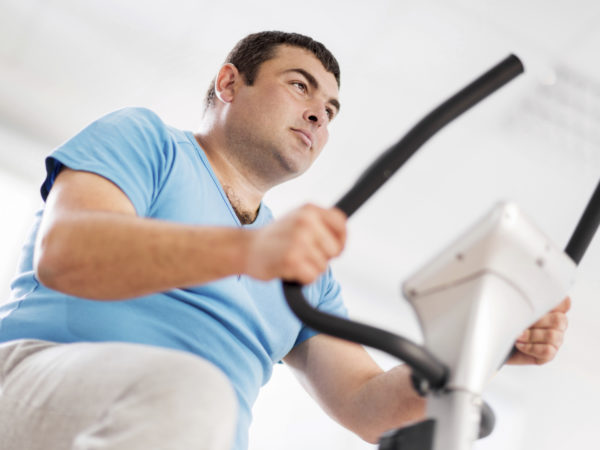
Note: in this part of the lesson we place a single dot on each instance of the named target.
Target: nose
(316, 115)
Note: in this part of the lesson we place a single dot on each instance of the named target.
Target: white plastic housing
(476, 297)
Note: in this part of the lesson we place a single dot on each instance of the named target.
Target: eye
(300, 86)
(330, 113)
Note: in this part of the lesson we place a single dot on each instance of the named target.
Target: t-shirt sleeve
(129, 147)
(328, 293)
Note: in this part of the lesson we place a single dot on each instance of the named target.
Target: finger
(303, 261)
(563, 306)
(554, 319)
(318, 256)
(308, 273)
(302, 273)
(542, 336)
(541, 352)
(328, 243)
(329, 230)
(306, 262)
(332, 231)
(518, 358)
(336, 220)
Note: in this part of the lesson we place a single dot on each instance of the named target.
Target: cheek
(324, 136)
(262, 106)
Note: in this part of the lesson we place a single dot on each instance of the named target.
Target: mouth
(304, 136)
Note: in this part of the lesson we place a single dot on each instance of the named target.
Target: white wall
(20, 169)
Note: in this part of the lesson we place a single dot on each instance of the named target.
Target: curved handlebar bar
(585, 229)
(422, 362)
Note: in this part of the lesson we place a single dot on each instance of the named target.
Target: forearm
(105, 255)
(385, 402)
(343, 378)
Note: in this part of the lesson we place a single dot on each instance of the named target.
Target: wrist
(242, 254)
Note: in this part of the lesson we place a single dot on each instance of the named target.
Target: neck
(244, 191)
(243, 213)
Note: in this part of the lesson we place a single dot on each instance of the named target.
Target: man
(147, 311)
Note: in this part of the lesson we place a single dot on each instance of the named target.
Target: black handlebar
(423, 363)
(585, 229)
(393, 158)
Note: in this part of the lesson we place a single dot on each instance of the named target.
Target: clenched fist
(298, 246)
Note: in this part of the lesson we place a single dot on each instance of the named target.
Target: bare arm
(343, 378)
(92, 244)
(353, 390)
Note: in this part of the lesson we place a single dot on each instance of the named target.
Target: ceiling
(62, 62)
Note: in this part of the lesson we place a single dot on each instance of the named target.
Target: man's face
(279, 124)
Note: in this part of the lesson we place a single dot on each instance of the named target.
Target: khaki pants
(117, 396)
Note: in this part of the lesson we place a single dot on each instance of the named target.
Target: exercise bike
(473, 300)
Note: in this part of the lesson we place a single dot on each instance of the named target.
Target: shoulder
(129, 129)
(138, 117)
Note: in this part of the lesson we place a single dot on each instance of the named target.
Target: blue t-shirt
(240, 324)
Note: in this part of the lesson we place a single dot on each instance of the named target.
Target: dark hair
(249, 53)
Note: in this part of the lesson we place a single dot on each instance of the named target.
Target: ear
(226, 82)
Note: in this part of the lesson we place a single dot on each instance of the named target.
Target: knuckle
(299, 238)
(288, 260)
(310, 210)
(547, 352)
(555, 338)
(549, 336)
(301, 220)
(556, 320)
(328, 249)
(564, 322)
(339, 213)
(296, 240)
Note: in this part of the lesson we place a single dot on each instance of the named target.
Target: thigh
(109, 396)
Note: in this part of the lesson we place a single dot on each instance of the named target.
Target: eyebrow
(315, 84)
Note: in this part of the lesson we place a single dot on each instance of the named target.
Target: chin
(291, 166)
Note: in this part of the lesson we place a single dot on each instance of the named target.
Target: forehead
(288, 57)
